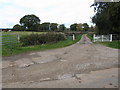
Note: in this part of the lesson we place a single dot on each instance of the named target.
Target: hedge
(38, 39)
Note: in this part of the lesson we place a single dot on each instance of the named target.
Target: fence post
(73, 37)
(93, 37)
(18, 37)
(110, 37)
(102, 38)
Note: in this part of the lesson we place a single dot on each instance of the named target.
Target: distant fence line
(15, 38)
(11, 39)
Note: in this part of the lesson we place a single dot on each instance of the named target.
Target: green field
(90, 37)
(22, 33)
(13, 48)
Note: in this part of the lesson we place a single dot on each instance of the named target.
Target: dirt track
(42, 67)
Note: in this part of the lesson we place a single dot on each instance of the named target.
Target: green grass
(8, 50)
(90, 37)
(11, 38)
(113, 44)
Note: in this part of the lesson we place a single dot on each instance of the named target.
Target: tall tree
(30, 22)
(73, 27)
(92, 28)
(79, 26)
(45, 26)
(62, 27)
(85, 27)
(53, 26)
(107, 17)
(17, 27)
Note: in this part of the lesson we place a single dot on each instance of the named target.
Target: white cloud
(58, 11)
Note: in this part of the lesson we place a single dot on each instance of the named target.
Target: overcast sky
(55, 11)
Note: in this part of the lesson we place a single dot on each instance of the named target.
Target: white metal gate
(102, 38)
(8, 39)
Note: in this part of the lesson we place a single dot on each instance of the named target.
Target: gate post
(110, 37)
(102, 38)
(18, 37)
(93, 37)
(73, 37)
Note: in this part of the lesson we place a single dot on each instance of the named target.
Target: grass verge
(90, 37)
(113, 44)
(7, 51)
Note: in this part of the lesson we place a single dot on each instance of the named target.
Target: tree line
(107, 17)
(81, 27)
(32, 23)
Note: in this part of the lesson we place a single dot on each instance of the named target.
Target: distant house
(6, 29)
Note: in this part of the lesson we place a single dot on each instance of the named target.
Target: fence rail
(102, 38)
(10, 39)
(70, 36)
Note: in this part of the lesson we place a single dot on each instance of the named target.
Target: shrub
(37, 39)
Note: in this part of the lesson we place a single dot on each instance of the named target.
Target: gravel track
(24, 70)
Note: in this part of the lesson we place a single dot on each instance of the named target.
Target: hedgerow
(38, 39)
